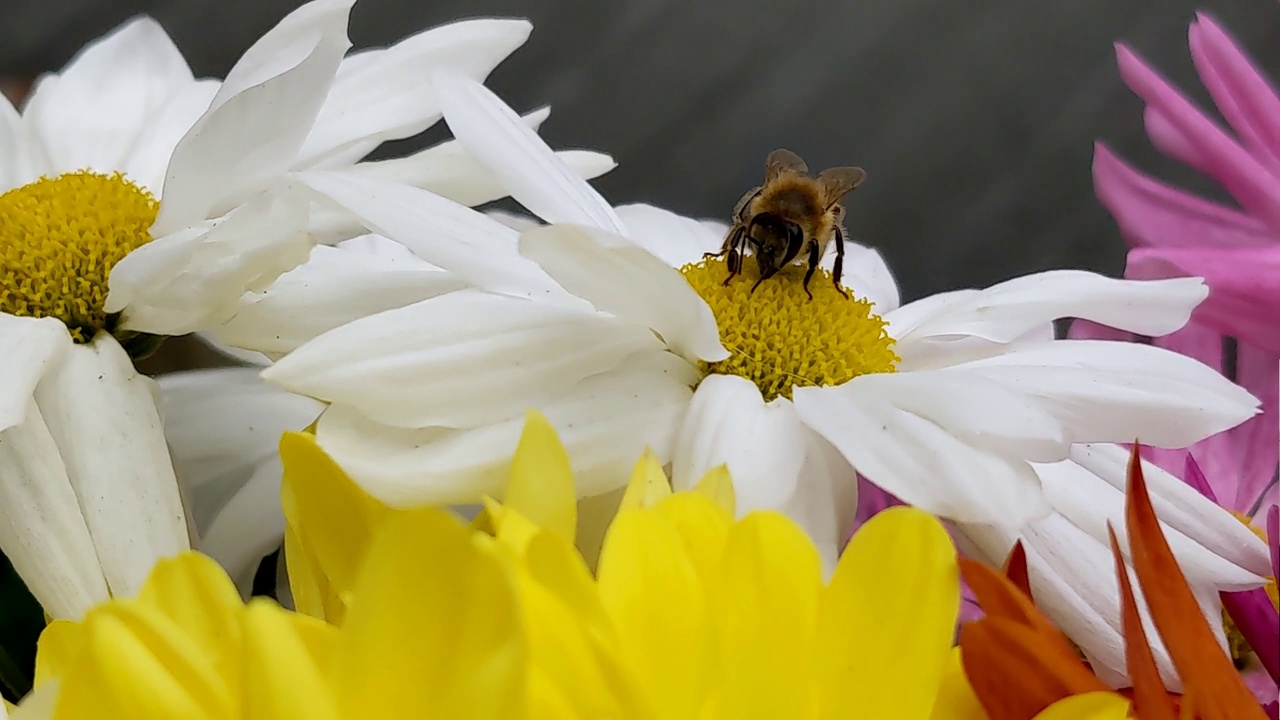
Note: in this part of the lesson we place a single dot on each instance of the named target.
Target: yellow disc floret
(59, 239)
(778, 338)
(1241, 653)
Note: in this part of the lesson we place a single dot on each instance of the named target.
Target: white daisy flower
(138, 202)
(618, 330)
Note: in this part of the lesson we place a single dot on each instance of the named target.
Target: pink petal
(1089, 330)
(1256, 441)
(1219, 156)
(1244, 286)
(1245, 98)
(1194, 477)
(1258, 622)
(1151, 213)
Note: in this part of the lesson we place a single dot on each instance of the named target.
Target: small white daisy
(138, 202)
(624, 337)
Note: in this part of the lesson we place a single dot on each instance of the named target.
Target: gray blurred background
(975, 121)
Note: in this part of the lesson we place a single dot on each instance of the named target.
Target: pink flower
(1236, 249)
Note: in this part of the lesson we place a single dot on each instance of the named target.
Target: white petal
(334, 288)
(15, 163)
(1181, 506)
(1090, 503)
(32, 346)
(481, 251)
(103, 416)
(984, 412)
(514, 220)
(676, 239)
(918, 461)
(447, 170)
(191, 280)
(221, 424)
(458, 360)
(867, 276)
(105, 100)
(627, 281)
(42, 530)
(249, 527)
(535, 177)
(605, 423)
(1009, 310)
(381, 94)
(149, 158)
(259, 119)
(825, 501)
(729, 423)
(1104, 391)
(1073, 581)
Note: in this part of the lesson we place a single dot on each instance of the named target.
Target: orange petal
(1012, 674)
(1205, 669)
(1150, 701)
(1000, 597)
(1015, 568)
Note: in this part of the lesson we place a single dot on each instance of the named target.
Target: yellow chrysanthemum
(691, 613)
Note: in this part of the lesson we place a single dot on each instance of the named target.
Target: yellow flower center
(779, 339)
(59, 239)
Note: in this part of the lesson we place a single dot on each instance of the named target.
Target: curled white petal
(259, 119)
(471, 358)
(193, 279)
(605, 422)
(532, 173)
(381, 94)
(626, 281)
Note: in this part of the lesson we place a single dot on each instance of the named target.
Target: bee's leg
(734, 246)
(838, 270)
(815, 255)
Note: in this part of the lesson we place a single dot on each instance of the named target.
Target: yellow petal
(650, 590)
(956, 700)
(506, 524)
(1089, 706)
(541, 483)
(282, 680)
(137, 663)
(703, 527)
(332, 518)
(648, 484)
(887, 619)
(195, 593)
(572, 644)
(311, 591)
(765, 611)
(57, 648)
(434, 627)
(718, 485)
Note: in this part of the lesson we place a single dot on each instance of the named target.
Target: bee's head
(775, 240)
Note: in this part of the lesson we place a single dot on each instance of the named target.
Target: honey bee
(790, 213)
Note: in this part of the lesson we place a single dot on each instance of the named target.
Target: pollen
(59, 239)
(780, 339)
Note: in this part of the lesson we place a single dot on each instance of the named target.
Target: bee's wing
(783, 161)
(744, 201)
(838, 181)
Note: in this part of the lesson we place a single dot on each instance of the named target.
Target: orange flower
(1019, 665)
